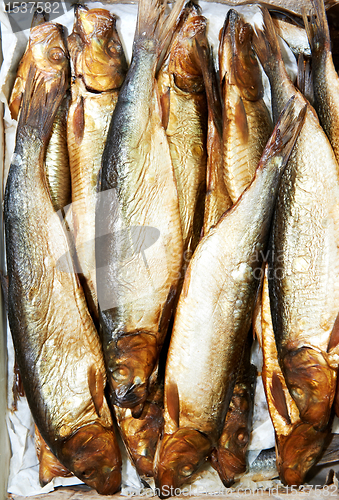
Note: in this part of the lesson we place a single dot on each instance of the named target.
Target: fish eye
(186, 471)
(55, 54)
(86, 473)
(121, 373)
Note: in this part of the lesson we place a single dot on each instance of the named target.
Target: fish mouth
(228, 465)
(130, 396)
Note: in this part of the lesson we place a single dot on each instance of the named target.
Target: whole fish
(141, 434)
(139, 244)
(56, 162)
(298, 444)
(57, 347)
(99, 67)
(246, 119)
(304, 256)
(214, 316)
(325, 77)
(184, 108)
(229, 457)
(49, 465)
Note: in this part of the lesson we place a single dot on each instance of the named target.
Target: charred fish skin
(325, 77)
(214, 316)
(185, 119)
(303, 257)
(247, 122)
(93, 45)
(57, 347)
(138, 205)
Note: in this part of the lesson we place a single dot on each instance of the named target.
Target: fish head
(298, 452)
(131, 359)
(92, 454)
(47, 52)
(228, 465)
(184, 62)
(96, 50)
(312, 384)
(237, 60)
(180, 455)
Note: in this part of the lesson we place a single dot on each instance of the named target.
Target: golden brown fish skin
(141, 434)
(49, 465)
(184, 108)
(214, 316)
(87, 127)
(96, 50)
(247, 122)
(57, 347)
(56, 163)
(298, 445)
(137, 185)
(325, 77)
(304, 285)
(229, 457)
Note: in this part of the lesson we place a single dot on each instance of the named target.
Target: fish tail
(317, 30)
(304, 77)
(285, 133)
(153, 23)
(265, 43)
(41, 101)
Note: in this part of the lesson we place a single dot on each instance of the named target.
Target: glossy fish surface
(303, 256)
(185, 119)
(246, 120)
(138, 209)
(56, 344)
(99, 67)
(213, 318)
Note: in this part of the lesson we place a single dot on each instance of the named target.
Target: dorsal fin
(96, 387)
(172, 401)
(278, 396)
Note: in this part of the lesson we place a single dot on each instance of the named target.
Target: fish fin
(278, 397)
(14, 106)
(165, 101)
(285, 134)
(334, 338)
(317, 29)
(241, 120)
(173, 402)
(265, 42)
(304, 77)
(79, 121)
(17, 387)
(39, 18)
(41, 102)
(96, 386)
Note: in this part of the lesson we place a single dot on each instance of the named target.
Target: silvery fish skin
(184, 108)
(304, 255)
(213, 319)
(141, 434)
(139, 244)
(325, 77)
(295, 36)
(56, 163)
(229, 457)
(247, 123)
(57, 347)
(99, 65)
(298, 445)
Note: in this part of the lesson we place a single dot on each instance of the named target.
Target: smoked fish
(56, 344)
(139, 246)
(247, 124)
(184, 108)
(303, 255)
(214, 316)
(99, 67)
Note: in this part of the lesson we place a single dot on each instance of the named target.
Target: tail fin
(41, 100)
(317, 30)
(153, 23)
(266, 44)
(285, 133)
(304, 77)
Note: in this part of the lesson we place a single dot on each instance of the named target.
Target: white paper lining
(23, 478)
